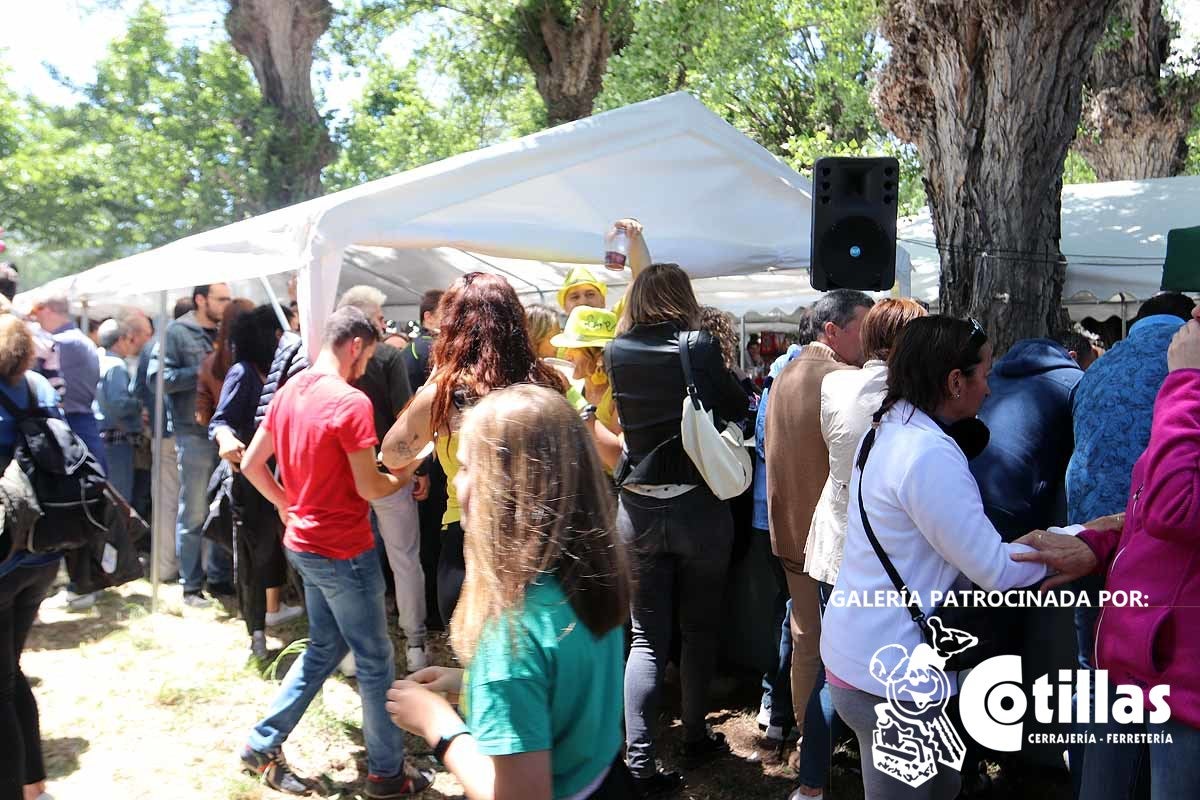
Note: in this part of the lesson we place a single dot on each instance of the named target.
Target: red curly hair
(484, 345)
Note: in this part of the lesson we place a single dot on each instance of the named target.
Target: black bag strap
(914, 610)
(685, 357)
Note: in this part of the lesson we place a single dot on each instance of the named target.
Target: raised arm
(411, 433)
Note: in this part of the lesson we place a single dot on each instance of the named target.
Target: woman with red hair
(484, 345)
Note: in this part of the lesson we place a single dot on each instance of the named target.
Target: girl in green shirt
(539, 624)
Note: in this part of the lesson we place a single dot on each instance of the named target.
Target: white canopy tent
(711, 199)
(1114, 236)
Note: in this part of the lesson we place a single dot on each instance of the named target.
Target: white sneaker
(416, 657)
(258, 646)
(80, 602)
(764, 717)
(196, 600)
(285, 613)
(348, 667)
(798, 795)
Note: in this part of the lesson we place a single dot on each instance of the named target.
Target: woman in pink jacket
(1153, 548)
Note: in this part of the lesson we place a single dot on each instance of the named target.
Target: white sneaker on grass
(348, 667)
(285, 613)
(416, 658)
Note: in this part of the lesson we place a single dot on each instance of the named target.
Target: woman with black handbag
(679, 532)
(916, 523)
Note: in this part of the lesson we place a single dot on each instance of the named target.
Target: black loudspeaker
(854, 223)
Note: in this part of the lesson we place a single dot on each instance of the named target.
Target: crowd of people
(519, 476)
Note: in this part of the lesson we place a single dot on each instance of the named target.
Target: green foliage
(796, 76)
(1077, 170)
(165, 142)
(483, 97)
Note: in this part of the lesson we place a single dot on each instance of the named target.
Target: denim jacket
(187, 345)
(760, 434)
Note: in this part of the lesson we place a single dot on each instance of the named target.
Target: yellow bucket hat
(587, 327)
(581, 276)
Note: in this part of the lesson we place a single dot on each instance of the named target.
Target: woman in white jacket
(924, 507)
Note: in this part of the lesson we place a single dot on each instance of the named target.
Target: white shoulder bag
(719, 455)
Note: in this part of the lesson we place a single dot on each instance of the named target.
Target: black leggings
(21, 592)
(451, 571)
(260, 562)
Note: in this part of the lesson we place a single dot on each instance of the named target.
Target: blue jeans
(777, 683)
(680, 547)
(120, 468)
(1110, 770)
(197, 458)
(816, 748)
(1085, 651)
(345, 614)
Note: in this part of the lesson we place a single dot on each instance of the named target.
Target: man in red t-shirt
(321, 431)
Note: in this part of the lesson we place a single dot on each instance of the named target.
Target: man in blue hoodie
(1028, 412)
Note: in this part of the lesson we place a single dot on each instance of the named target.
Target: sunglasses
(974, 344)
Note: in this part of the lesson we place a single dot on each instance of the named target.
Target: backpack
(67, 480)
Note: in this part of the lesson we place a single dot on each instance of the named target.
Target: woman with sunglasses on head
(539, 625)
(923, 507)
(680, 534)
(483, 346)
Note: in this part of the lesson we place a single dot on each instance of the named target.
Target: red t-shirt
(315, 420)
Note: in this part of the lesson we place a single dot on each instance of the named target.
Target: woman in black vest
(680, 534)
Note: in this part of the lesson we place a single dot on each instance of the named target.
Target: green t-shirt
(561, 690)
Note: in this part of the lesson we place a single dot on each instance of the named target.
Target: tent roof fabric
(681, 170)
(711, 199)
(1114, 236)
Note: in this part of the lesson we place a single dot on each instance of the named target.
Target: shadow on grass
(111, 614)
(62, 755)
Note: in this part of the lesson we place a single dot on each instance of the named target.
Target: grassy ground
(139, 706)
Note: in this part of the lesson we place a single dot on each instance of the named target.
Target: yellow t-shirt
(447, 456)
(606, 410)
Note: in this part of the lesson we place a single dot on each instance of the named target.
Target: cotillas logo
(913, 733)
(993, 702)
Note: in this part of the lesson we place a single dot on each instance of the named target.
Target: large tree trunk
(278, 37)
(1135, 124)
(990, 93)
(569, 58)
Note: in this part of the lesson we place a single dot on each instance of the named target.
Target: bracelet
(439, 750)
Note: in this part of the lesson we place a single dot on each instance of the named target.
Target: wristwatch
(443, 744)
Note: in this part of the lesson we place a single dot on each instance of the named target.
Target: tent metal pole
(275, 303)
(742, 349)
(506, 273)
(83, 317)
(156, 479)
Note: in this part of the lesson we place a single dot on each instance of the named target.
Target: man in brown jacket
(798, 465)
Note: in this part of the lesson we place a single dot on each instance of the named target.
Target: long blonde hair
(539, 504)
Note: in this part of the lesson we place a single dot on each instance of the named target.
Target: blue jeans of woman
(346, 613)
(681, 544)
(1111, 767)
